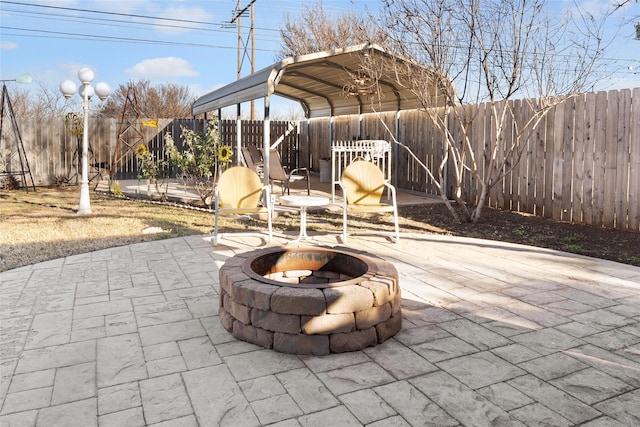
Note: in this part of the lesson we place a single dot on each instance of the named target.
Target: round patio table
(303, 202)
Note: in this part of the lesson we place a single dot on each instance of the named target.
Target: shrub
(203, 158)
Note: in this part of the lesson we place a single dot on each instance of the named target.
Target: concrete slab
(493, 333)
(176, 190)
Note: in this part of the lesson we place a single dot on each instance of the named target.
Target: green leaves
(200, 159)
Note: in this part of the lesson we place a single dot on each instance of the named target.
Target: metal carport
(326, 84)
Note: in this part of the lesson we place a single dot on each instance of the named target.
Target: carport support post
(238, 132)
(394, 149)
(330, 133)
(266, 140)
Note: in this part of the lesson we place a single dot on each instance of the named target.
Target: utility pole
(239, 25)
(253, 55)
(238, 13)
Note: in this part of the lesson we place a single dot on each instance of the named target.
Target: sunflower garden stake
(224, 157)
(138, 188)
(202, 159)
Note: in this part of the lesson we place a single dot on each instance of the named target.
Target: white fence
(377, 151)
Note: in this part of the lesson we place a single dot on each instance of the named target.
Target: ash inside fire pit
(307, 268)
(309, 301)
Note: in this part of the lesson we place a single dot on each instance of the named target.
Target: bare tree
(292, 113)
(160, 101)
(21, 100)
(636, 18)
(315, 31)
(42, 102)
(493, 51)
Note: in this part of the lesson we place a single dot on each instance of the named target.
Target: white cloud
(594, 7)
(128, 6)
(5, 45)
(600, 8)
(198, 90)
(629, 82)
(162, 67)
(70, 69)
(185, 13)
(60, 3)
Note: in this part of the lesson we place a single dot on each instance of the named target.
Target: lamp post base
(84, 208)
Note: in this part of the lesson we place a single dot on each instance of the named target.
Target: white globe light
(67, 88)
(86, 75)
(102, 90)
(88, 89)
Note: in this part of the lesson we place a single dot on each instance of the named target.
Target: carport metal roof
(328, 83)
(320, 82)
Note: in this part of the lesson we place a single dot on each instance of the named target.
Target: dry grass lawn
(44, 225)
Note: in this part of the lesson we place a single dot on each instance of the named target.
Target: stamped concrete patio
(493, 334)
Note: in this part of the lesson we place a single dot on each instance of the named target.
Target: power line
(95, 20)
(106, 21)
(72, 18)
(124, 24)
(69, 35)
(111, 13)
(237, 16)
(115, 39)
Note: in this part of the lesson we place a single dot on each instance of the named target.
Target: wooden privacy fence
(581, 164)
(55, 154)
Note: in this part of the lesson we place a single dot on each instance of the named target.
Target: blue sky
(51, 41)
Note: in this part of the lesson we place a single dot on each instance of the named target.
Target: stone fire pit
(309, 300)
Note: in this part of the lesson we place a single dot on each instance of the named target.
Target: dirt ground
(525, 229)
(620, 246)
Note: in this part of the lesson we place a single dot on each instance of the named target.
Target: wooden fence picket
(589, 159)
(634, 163)
(620, 192)
(578, 160)
(600, 136)
(566, 210)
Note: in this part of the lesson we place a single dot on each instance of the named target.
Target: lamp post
(86, 91)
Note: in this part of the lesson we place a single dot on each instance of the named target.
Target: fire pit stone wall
(339, 317)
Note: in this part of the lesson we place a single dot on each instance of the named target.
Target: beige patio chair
(252, 158)
(278, 173)
(362, 186)
(239, 191)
